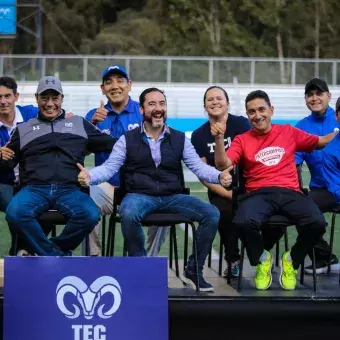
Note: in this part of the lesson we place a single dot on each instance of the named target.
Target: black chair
(51, 217)
(154, 219)
(274, 222)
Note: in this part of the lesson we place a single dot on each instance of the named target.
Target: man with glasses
(48, 149)
(321, 121)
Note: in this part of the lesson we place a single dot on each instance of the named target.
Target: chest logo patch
(270, 156)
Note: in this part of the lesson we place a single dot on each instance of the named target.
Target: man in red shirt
(272, 187)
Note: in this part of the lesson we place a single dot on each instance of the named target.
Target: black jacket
(48, 151)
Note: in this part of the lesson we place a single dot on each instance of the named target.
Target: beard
(153, 121)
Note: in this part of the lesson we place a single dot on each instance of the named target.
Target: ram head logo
(88, 297)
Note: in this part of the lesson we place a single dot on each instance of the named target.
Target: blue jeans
(31, 201)
(135, 207)
(6, 194)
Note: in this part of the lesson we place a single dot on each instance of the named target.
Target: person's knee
(15, 214)
(214, 214)
(243, 224)
(90, 214)
(129, 214)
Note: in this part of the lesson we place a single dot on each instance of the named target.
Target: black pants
(227, 230)
(325, 201)
(255, 210)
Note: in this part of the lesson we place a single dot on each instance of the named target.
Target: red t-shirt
(268, 160)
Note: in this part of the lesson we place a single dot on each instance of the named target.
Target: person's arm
(324, 140)
(14, 145)
(306, 142)
(221, 159)
(216, 188)
(112, 165)
(202, 170)
(98, 141)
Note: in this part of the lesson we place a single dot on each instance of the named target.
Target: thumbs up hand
(225, 177)
(100, 114)
(83, 176)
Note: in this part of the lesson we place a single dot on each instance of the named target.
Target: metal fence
(85, 68)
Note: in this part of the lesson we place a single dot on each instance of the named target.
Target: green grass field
(198, 190)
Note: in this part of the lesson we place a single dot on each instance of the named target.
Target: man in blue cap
(119, 115)
(323, 184)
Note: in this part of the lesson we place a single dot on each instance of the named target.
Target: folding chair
(274, 222)
(154, 219)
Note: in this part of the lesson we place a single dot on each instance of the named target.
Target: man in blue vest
(323, 184)
(10, 115)
(118, 115)
(152, 157)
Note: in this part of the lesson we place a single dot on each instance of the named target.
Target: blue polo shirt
(22, 114)
(324, 165)
(116, 124)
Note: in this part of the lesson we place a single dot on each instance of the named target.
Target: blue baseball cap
(115, 69)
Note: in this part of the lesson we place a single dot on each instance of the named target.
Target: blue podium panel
(8, 17)
(85, 298)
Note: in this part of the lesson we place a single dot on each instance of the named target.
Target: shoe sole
(271, 276)
(281, 279)
(190, 283)
(334, 269)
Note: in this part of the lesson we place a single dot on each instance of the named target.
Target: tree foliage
(246, 28)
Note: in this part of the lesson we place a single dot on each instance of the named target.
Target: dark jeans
(6, 194)
(226, 229)
(31, 201)
(256, 208)
(325, 201)
(135, 207)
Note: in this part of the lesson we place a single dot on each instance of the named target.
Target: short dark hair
(257, 94)
(9, 83)
(149, 90)
(215, 87)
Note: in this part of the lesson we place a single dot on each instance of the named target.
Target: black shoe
(235, 269)
(191, 279)
(322, 266)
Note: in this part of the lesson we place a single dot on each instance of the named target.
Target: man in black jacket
(47, 149)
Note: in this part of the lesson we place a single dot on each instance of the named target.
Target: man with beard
(152, 158)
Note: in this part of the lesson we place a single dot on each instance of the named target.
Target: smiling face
(8, 100)
(154, 109)
(317, 101)
(216, 103)
(49, 103)
(259, 113)
(116, 88)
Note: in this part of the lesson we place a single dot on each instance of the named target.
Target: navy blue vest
(140, 172)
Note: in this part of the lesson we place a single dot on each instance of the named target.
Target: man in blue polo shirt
(118, 115)
(323, 184)
(10, 115)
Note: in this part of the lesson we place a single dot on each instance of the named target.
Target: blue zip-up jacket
(27, 112)
(324, 165)
(116, 124)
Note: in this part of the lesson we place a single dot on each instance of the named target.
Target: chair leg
(103, 234)
(220, 258)
(171, 246)
(186, 231)
(314, 271)
(109, 236)
(286, 240)
(239, 282)
(277, 253)
(302, 272)
(175, 250)
(194, 246)
(331, 244)
(209, 257)
(15, 244)
(87, 246)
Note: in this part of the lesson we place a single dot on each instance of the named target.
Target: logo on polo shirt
(132, 126)
(270, 156)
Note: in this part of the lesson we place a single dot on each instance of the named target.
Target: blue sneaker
(191, 280)
(235, 269)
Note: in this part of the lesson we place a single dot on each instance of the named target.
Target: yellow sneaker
(288, 273)
(263, 278)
